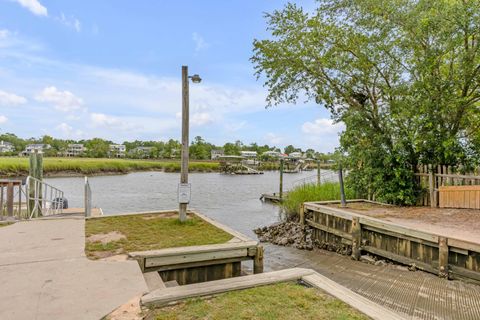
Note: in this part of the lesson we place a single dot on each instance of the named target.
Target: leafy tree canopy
(403, 75)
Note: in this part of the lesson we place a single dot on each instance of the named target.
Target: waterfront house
(271, 154)
(75, 150)
(296, 155)
(6, 147)
(35, 147)
(117, 151)
(249, 154)
(215, 154)
(141, 152)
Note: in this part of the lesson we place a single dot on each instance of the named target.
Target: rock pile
(287, 233)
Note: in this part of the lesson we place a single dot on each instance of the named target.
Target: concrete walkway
(414, 295)
(44, 273)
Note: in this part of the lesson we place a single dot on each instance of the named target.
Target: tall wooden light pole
(184, 187)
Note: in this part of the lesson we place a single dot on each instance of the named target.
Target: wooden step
(153, 281)
(166, 296)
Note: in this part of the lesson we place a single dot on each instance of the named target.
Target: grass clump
(280, 301)
(312, 192)
(149, 232)
(17, 166)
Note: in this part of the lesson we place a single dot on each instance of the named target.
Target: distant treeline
(199, 148)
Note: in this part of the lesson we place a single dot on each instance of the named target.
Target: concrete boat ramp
(44, 273)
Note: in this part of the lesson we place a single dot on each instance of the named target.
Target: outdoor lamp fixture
(195, 78)
(184, 186)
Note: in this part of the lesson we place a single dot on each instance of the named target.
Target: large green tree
(403, 75)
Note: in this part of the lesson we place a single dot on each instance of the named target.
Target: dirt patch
(128, 311)
(162, 215)
(105, 238)
(454, 223)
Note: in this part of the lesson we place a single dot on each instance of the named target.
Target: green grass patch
(312, 192)
(282, 301)
(4, 224)
(16, 166)
(149, 232)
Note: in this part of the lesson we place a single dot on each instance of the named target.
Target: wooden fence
(11, 200)
(341, 230)
(432, 178)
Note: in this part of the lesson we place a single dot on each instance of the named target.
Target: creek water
(230, 199)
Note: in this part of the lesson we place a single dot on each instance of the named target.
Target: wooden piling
(281, 179)
(10, 199)
(356, 238)
(318, 173)
(443, 257)
(342, 189)
(258, 261)
(302, 215)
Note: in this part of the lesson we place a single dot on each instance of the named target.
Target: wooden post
(342, 189)
(1, 201)
(318, 173)
(356, 238)
(302, 215)
(35, 171)
(185, 126)
(281, 179)
(258, 261)
(431, 186)
(10, 199)
(443, 257)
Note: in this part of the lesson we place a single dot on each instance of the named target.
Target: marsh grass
(150, 232)
(312, 192)
(280, 301)
(16, 166)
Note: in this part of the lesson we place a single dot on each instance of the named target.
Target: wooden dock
(448, 257)
(275, 198)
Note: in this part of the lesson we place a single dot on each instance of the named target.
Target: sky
(112, 69)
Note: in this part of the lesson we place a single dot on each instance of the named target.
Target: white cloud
(272, 138)
(34, 6)
(200, 43)
(110, 122)
(322, 126)
(10, 99)
(62, 100)
(201, 119)
(70, 22)
(3, 119)
(68, 131)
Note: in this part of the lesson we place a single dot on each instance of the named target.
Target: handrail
(43, 199)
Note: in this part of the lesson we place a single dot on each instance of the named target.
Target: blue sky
(112, 68)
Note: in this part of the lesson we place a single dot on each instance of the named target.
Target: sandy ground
(463, 224)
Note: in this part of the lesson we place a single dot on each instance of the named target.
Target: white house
(271, 154)
(142, 152)
(6, 147)
(295, 155)
(215, 154)
(117, 151)
(75, 150)
(39, 147)
(248, 154)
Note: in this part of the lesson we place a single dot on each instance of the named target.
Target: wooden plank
(196, 264)
(398, 229)
(401, 236)
(171, 295)
(153, 281)
(362, 304)
(222, 226)
(194, 257)
(455, 270)
(398, 258)
(329, 230)
(465, 245)
(193, 249)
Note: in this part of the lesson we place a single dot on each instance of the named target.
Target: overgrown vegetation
(403, 76)
(149, 232)
(276, 302)
(13, 166)
(312, 192)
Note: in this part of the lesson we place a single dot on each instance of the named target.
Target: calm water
(229, 199)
